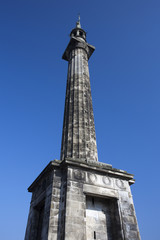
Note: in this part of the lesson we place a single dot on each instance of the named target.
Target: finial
(78, 24)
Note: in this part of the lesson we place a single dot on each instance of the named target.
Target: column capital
(77, 43)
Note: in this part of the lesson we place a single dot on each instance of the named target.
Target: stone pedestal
(76, 199)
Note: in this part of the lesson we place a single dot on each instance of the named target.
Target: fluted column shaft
(78, 138)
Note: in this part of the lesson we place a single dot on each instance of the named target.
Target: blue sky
(125, 82)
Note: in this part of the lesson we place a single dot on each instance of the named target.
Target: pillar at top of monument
(78, 136)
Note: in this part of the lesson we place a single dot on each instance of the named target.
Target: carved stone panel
(78, 174)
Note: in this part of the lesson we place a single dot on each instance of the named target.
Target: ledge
(101, 167)
(76, 43)
(99, 191)
(87, 164)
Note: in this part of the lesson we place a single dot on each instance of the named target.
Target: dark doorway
(40, 210)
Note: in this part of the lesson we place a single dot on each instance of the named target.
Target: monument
(78, 197)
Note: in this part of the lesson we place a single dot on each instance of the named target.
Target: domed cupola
(78, 32)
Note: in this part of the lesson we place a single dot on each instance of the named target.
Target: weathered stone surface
(68, 203)
(79, 198)
(101, 222)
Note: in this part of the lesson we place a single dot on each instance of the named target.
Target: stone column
(78, 138)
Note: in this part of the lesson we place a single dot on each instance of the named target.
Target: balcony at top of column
(78, 40)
